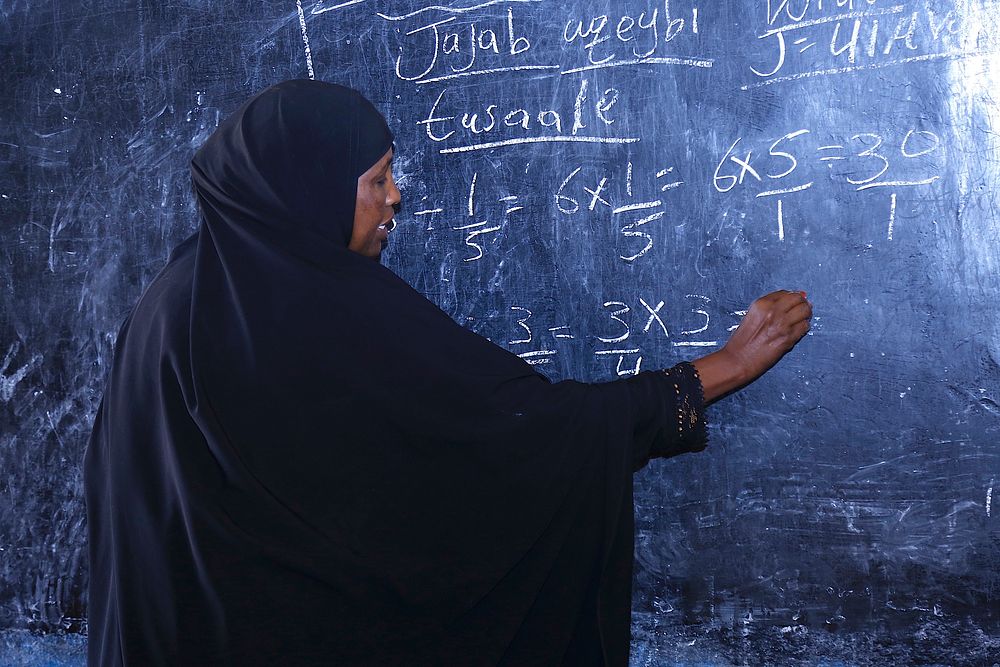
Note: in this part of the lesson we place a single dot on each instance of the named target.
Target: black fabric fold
(300, 460)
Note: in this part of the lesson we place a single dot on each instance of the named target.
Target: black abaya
(300, 460)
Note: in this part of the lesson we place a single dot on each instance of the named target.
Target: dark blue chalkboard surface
(601, 187)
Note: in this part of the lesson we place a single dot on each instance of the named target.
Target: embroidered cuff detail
(692, 427)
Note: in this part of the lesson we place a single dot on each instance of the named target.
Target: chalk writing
(824, 40)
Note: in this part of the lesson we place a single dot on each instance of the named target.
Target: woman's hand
(772, 326)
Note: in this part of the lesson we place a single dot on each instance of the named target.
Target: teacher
(300, 460)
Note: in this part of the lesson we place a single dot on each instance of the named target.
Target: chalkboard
(600, 187)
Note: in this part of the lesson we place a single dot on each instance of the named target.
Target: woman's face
(377, 195)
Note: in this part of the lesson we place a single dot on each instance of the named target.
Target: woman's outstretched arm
(720, 375)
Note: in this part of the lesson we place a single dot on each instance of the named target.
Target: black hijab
(301, 460)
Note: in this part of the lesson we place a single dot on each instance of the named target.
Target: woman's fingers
(799, 311)
(778, 295)
(783, 300)
(790, 299)
(801, 329)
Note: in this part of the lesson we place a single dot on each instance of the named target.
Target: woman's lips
(384, 229)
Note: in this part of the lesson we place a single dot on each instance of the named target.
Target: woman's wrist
(720, 373)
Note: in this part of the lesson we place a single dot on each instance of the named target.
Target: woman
(299, 460)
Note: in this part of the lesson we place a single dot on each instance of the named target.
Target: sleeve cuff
(690, 422)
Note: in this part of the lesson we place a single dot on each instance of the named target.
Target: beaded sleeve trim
(691, 424)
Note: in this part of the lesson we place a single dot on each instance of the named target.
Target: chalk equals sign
(831, 158)
(668, 186)
(538, 356)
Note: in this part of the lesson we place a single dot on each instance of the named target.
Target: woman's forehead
(383, 161)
